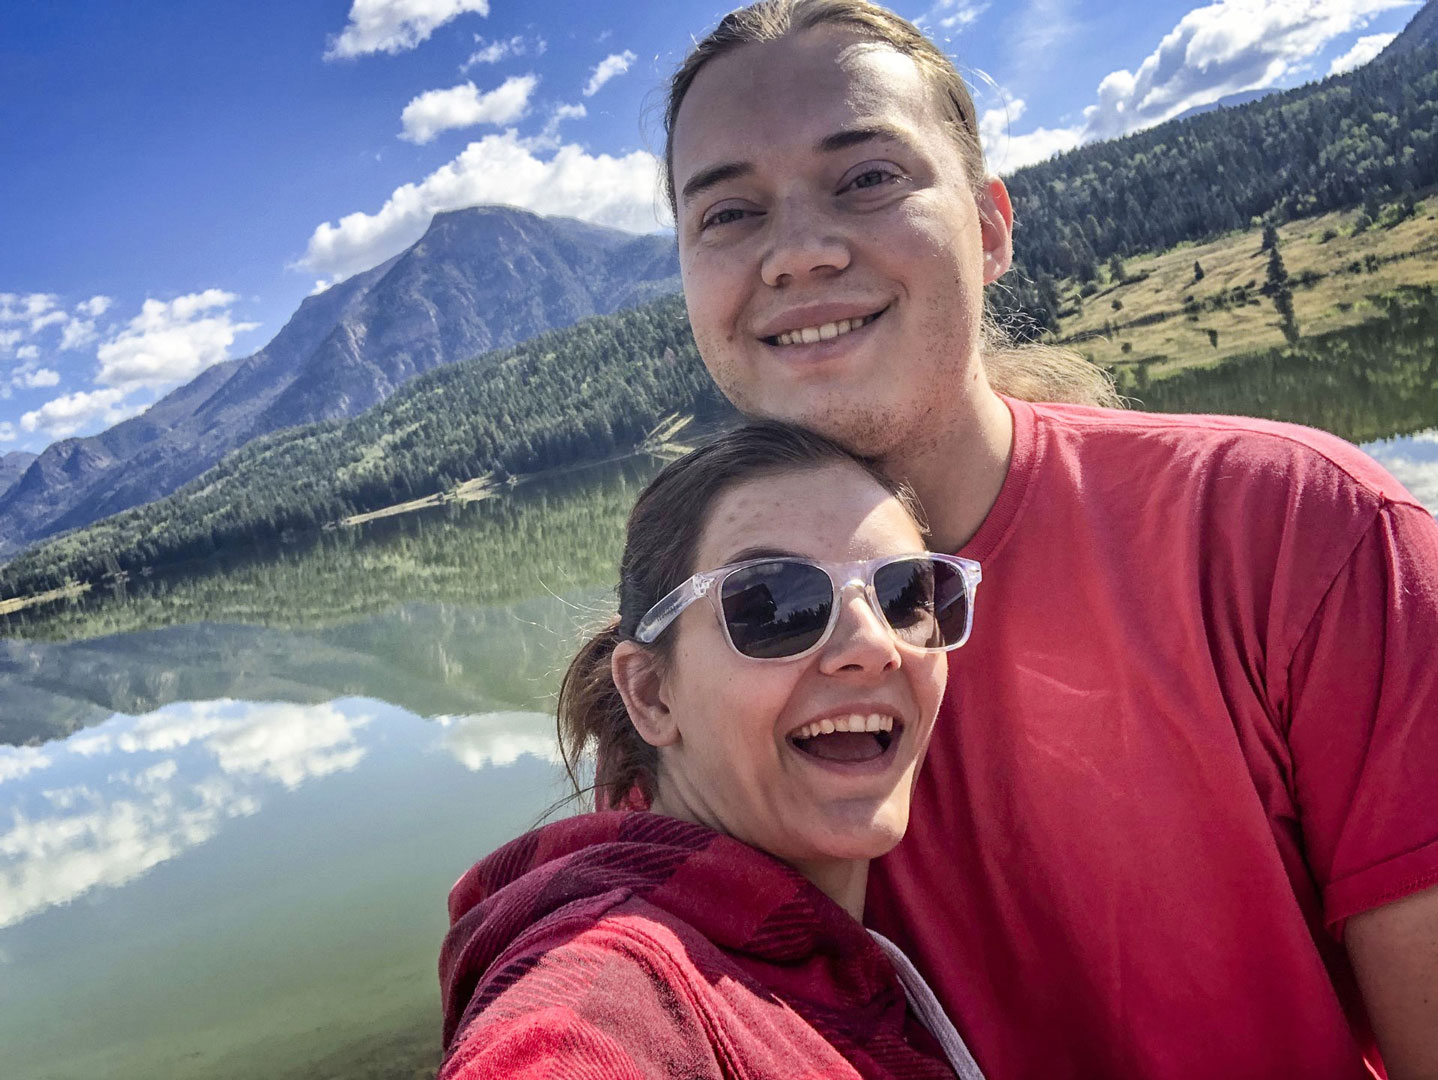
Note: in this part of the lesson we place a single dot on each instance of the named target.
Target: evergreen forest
(594, 390)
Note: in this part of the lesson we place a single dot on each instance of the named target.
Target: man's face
(832, 248)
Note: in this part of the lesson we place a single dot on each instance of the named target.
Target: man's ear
(996, 221)
(640, 682)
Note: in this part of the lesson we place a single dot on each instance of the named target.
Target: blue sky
(178, 177)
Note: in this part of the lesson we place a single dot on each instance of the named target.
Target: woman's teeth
(855, 722)
(810, 334)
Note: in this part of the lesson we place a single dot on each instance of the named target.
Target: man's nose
(803, 240)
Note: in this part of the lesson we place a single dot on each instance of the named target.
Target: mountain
(1421, 30)
(478, 280)
(1232, 101)
(1363, 138)
(580, 394)
(13, 466)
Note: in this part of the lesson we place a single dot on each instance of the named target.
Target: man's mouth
(848, 738)
(809, 335)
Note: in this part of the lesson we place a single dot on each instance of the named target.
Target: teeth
(853, 722)
(810, 334)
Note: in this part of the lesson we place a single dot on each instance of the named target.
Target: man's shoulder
(1196, 444)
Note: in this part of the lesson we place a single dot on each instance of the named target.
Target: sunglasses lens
(776, 609)
(924, 601)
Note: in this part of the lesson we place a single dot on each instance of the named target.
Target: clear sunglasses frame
(842, 576)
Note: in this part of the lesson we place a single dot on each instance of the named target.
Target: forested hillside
(478, 280)
(1364, 138)
(570, 395)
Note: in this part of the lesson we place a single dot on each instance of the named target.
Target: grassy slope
(1157, 287)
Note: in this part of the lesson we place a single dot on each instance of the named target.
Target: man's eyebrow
(842, 140)
(707, 178)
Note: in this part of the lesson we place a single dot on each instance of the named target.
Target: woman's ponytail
(592, 718)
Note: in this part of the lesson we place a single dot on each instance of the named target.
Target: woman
(768, 690)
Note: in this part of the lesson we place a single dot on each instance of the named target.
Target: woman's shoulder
(609, 975)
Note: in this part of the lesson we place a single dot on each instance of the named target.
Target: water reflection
(499, 739)
(302, 850)
(250, 785)
(120, 803)
(1372, 381)
(1413, 459)
(108, 804)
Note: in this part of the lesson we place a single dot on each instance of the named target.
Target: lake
(246, 788)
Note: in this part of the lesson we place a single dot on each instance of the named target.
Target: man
(1180, 817)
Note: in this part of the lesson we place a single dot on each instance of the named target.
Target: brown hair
(1030, 372)
(661, 540)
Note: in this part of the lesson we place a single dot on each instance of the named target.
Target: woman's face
(736, 763)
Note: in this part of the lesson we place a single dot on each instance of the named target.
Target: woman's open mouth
(810, 335)
(853, 738)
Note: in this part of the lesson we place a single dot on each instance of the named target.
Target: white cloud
(170, 342)
(1220, 49)
(395, 26)
(17, 308)
(8, 432)
(617, 191)
(32, 313)
(70, 413)
(17, 761)
(500, 738)
(94, 307)
(548, 139)
(952, 14)
(495, 51)
(77, 334)
(1041, 26)
(612, 65)
(35, 378)
(1364, 50)
(1004, 152)
(50, 318)
(464, 106)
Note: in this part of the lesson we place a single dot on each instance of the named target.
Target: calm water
(225, 850)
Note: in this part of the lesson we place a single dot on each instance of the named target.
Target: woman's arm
(1394, 949)
(602, 1002)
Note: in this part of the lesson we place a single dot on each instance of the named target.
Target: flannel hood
(746, 944)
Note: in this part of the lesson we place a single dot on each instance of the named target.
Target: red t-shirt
(1195, 729)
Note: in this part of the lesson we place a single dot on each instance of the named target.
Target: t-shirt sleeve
(1363, 720)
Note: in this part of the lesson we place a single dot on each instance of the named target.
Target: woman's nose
(862, 640)
(803, 241)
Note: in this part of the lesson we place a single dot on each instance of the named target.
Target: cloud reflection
(499, 738)
(67, 840)
(1413, 460)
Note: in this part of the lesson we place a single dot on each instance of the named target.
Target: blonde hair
(1033, 372)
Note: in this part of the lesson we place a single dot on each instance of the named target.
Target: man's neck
(959, 473)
